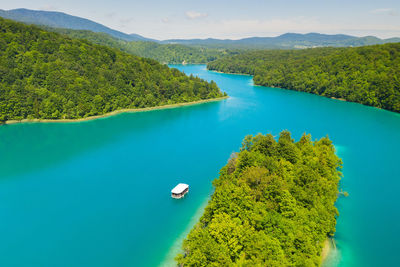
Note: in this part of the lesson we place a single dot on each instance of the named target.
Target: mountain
(62, 20)
(286, 41)
(46, 75)
(393, 40)
(136, 37)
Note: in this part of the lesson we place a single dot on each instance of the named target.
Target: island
(273, 205)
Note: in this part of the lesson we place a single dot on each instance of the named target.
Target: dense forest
(164, 53)
(273, 205)
(369, 75)
(50, 76)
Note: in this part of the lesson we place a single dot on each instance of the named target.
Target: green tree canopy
(273, 205)
(46, 75)
(368, 75)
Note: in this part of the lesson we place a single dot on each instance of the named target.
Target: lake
(97, 193)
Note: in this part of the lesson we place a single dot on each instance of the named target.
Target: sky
(230, 19)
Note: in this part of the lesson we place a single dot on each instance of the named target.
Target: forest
(369, 75)
(273, 205)
(164, 53)
(46, 75)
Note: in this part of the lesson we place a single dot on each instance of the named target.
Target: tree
(46, 75)
(366, 75)
(269, 216)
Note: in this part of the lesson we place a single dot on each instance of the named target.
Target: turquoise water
(96, 193)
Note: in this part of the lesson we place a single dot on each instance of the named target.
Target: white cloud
(298, 24)
(195, 15)
(165, 20)
(125, 22)
(273, 27)
(110, 15)
(385, 11)
(48, 8)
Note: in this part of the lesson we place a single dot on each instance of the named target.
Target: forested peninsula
(369, 75)
(273, 205)
(46, 75)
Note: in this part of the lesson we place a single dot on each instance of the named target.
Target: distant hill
(286, 41)
(164, 53)
(62, 20)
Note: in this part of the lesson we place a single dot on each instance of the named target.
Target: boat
(179, 191)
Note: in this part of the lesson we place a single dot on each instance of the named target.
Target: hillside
(62, 20)
(368, 75)
(45, 75)
(273, 205)
(164, 53)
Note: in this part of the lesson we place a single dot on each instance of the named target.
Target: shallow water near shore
(97, 193)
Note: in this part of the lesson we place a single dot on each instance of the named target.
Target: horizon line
(203, 38)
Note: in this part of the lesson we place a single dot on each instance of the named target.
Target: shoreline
(342, 99)
(116, 112)
(234, 73)
(326, 250)
(176, 247)
(330, 97)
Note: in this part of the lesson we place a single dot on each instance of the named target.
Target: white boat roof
(179, 188)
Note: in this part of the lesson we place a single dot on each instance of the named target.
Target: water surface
(96, 193)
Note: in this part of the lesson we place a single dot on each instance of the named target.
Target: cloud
(241, 28)
(195, 15)
(48, 8)
(125, 22)
(385, 11)
(110, 15)
(270, 27)
(165, 20)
